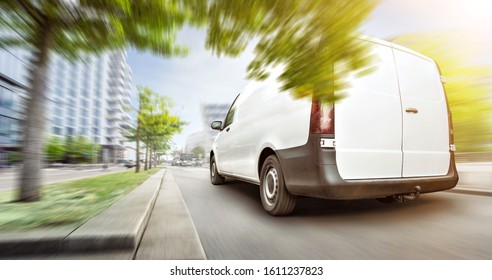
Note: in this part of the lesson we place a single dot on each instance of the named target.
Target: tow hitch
(402, 197)
(408, 196)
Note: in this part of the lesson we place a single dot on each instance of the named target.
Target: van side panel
(368, 123)
(266, 117)
(425, 116)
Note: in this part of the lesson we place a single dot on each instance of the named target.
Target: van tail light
(452, 146)
(322, 118)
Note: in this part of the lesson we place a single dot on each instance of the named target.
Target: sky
(201, 77)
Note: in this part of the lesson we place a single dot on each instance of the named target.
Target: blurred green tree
(306, 38)
(72, 27)
(54, 150)
(81, 150)
(198, 152)
(468, 86)
(14, 157)
(155, 125)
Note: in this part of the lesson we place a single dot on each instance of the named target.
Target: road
(8, 179)
(231, 224)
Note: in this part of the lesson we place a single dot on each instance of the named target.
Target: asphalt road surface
(231, 224)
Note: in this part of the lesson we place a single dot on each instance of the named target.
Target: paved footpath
(120, 230)
(170, 234)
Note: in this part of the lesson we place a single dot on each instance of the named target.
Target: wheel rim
(270, 183)
(212, 170)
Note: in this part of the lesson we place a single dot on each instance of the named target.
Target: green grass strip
(68, 203)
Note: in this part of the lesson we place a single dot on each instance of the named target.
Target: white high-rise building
(13, 73)
(91, 98)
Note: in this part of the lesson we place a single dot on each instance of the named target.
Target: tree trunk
(137, 163)
(151, 158)
(35, 119)
(146, 156)
(137, 148)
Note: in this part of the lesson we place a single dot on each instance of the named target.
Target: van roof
(360, 37)
(393, 45)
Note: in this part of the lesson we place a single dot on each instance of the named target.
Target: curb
(120, 226)
(470, 191)
(171, 233)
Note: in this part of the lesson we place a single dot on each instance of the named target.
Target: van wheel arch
(263, 156)
(215, 177)
(275, 198)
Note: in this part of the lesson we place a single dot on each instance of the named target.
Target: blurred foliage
(81, 150)
(54, 150)
(305, 38)
(156, 120)
(73, 150)
(14, 157)
(96, 26)
(198, 152)
(155, 123)
(469, 83)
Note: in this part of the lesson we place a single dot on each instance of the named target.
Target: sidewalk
(475, 178)
(119, 227)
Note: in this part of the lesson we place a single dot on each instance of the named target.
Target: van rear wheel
(275, 197)
(215, 177)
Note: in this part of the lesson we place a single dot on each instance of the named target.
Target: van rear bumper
(312, 171)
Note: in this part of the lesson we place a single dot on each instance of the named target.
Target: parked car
(130, 164)
(197, 162)
(390, 138)
(185, 160)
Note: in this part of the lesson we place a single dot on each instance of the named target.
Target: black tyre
(275, 197)
(215, 177)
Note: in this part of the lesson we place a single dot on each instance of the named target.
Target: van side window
(230, 116)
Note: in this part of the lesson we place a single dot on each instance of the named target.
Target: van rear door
(368, 122)
(425, 117)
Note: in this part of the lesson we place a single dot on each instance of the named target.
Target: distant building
(13, 73)
(90, 98)
(195, 140)
(210, 113)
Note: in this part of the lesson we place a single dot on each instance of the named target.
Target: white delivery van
(390, 138)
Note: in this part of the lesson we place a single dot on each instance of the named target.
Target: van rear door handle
(411, 110)
(227, 129)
